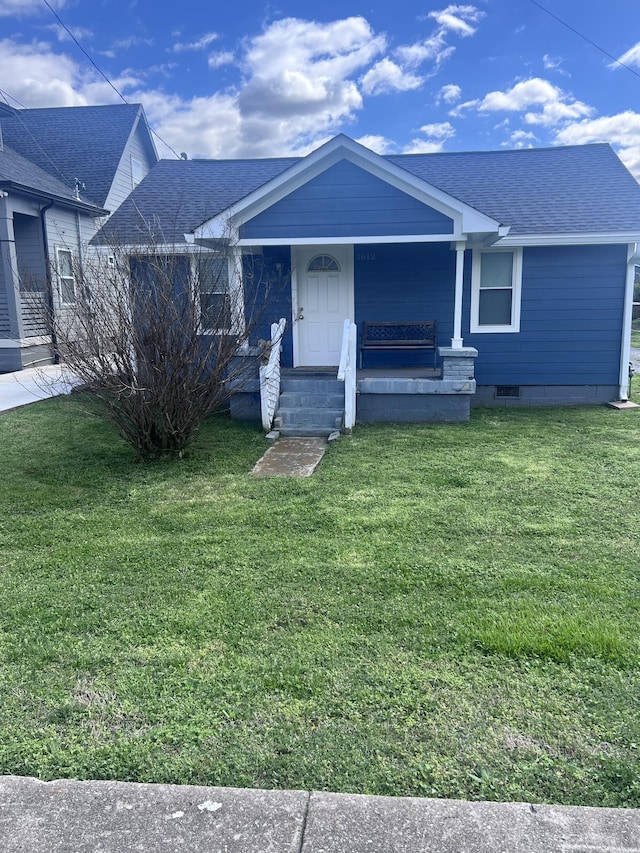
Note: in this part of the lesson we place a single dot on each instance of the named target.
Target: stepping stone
(291, 457)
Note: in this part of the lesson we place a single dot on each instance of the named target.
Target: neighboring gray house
(62, 171)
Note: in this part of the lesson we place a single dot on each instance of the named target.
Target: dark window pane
(67, 290)
(216, 310)
(212, 274)
(495, 307)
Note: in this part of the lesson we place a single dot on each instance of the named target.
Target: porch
(320, 400)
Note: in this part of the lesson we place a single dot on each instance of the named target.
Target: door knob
(300, 314)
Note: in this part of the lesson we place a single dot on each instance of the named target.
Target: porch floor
(366, 372)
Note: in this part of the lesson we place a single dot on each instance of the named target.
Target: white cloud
(457, 18)
(557, 106)
(435, 137)
(441, 130)
(449, 94)
(22, 8)
(199, 44)
(630, 57)
(379, 144)
(222, 57)
(521, 139)
(385, 76)
(554, 63)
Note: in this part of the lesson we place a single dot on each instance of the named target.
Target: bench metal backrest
(402, 334)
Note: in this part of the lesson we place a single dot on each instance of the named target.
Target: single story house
(62, 170)
(516, 267)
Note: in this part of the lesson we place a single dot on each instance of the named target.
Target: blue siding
(346, 201)
(571, 320)
(267, 292)
(414, 281)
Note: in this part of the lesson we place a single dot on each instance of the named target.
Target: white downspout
(625, 352)
(456, 340)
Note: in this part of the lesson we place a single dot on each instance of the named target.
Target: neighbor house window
(496, 277)
(212, 275)
(136, 172)
(66, 278)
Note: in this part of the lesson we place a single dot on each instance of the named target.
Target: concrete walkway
(122, 817)
(291, 457)
(33, 384)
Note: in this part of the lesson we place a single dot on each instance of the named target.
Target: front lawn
(445, 611)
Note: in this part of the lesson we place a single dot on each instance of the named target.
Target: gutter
(53, 198)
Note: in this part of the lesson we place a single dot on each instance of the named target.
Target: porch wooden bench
(408, 335)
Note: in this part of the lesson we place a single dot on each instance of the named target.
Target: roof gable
(341, 148)
(86, 143)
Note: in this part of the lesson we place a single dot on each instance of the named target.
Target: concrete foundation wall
(547, 395)
(412, 408)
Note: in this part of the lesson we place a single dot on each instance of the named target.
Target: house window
(66, 277)
(496, 278)
(212, 276)
(136, 172)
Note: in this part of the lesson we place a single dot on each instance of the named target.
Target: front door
(324, 301)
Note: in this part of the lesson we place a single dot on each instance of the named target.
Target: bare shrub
(159, 338)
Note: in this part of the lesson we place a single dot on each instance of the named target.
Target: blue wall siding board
(571, 320)
(412, 281)
(346, 201)
(267, 294)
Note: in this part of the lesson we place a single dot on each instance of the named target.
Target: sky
(263, 79)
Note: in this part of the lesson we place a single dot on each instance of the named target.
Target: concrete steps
(310, 405)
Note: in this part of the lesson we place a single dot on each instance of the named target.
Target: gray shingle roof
(575, 189)
(74, 142)
(17, 171)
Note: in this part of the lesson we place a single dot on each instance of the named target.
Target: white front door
(324, 300)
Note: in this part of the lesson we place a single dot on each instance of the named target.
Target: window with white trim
(496, 283)
(66, 277)
(212, 275)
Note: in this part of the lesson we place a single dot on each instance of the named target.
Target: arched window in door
(323, 263)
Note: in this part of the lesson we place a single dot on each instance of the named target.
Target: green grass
(445, 611)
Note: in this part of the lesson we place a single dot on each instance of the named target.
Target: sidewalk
(33, 384)
(121, 817)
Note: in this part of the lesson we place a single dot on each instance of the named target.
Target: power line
(100, 71)
(586, 38)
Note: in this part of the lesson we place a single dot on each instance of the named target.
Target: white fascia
(466, 218)
(570, 239)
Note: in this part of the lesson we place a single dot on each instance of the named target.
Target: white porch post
(456, 340)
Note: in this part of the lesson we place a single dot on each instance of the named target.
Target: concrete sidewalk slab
(121, 817)
(350, 823)
(291, 457)
(33, 384)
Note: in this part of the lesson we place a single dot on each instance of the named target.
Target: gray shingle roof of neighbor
(19, 173)
(74, 142)
(563, 190)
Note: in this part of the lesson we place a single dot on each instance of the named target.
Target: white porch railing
(270, 376)
(347, 372)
